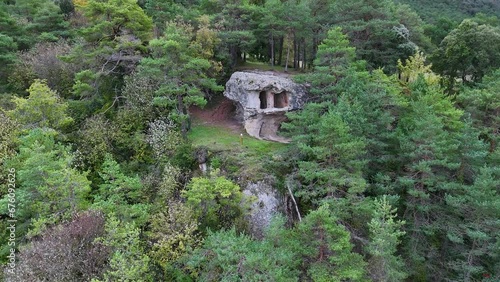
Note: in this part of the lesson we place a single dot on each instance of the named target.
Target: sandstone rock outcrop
(266, 205)
(262, 99)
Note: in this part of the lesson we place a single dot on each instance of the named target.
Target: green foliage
(381, 31)
(326, 249)
(475, 238)
(119, 82)
(468, 52)
(95, 140)
(130, 141)
(385, 233)
(414, 67)
(237, 20)
(128, 261)
(42, 108)
(483, 104)
(439, 29)
(215, 200)
(180, 72)
(164, 138)
(8, 136)
(164, 12)
(329, 163)
(7, 55)
(121, 194)
(173, 233)
(49, 188)
(430, 10)
(111, 22)
(334, 60)
(36, 21)
(227, 256)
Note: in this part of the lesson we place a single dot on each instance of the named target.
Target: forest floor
(254, 65)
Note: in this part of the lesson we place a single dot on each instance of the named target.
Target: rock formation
(262, 99)
(266, 205)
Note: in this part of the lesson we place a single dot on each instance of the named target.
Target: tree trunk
(298, 54)
(234, 55)
(304, 59)
(280, 54)
(294, 53)
(272, 50)
(287, 56)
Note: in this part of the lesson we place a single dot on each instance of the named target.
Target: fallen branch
(293, 199)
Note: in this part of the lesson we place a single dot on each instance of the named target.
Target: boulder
(262, 99)
(266, 204)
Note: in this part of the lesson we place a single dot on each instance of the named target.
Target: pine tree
(385, 233)
(180, 73)
(121, 194)
(326, 250)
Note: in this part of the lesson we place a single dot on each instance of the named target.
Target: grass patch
(244, 160)
(223, 139)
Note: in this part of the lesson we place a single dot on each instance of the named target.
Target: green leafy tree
(9, 25)
(274, 24)
(121, 194)
(164, 12)
(173, 233)
(128, 261)
(7, 55)
(381, 31)
(116, 36)
(95, 140)
(49, 189)
(38, 21)
(118, 24)
(468, 52)
(237, 22)
(8, 136)
(439, 29)
(429, 140)
(414, 67)
(215, 200)
(42, 108)
(164, 138)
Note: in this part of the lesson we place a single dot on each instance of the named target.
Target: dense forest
(392, 172)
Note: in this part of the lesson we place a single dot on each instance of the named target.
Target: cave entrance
(263, 100)
(281, 100)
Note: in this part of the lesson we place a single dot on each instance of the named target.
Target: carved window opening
(269, 100)
(281, 100)
(263, 100)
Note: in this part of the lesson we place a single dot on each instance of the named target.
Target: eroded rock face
(262, 99)
(266, 205)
